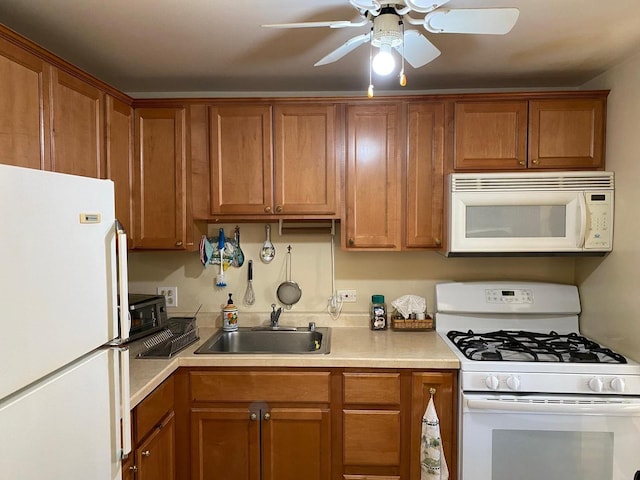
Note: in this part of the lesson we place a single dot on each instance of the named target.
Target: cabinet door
(445, 401)
(24, 103)
(490, 135)
(566, 133)
(119, 159)
(425, 176)
(155, 458)
(77, 127)
(296, 443)
(225, 443)
(160, 179)
(241, 159)
(373, 177)
(305, 159)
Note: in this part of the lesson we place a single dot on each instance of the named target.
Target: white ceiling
(215, 46)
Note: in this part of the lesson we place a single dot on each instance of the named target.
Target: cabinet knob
(521, 162)
(146, 453)
(267, 416)
(351, 242)
(267, 209)
(438, 241)
(133, 468)
(535, 162)
(179, 243)
(279, 209)
(253, 417)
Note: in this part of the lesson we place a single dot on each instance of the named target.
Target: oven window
(551, 455)
(488, 221)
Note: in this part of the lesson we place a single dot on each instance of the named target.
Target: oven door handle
(610, 408)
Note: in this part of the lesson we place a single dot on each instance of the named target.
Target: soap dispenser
(230, 316)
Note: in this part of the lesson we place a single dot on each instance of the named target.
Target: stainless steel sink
(249, 340)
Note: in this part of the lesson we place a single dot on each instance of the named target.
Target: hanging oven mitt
(433, 465)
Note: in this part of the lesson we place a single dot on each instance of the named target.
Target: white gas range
(548, 401)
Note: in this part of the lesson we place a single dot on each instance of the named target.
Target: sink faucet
(275, 315)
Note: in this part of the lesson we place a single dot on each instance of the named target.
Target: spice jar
(378, 313)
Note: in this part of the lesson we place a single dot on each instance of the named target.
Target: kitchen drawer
(150, 412)
(372, 388)
(371, 437)
(260, 386)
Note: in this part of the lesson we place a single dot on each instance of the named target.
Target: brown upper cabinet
(536, 133)
(77, 143)
(425, 175)
(160, 179)
(490, 135)
(119, 159)
(275, 160)
(373, 174)
(391, 206)
(24, 103)
(567, 133)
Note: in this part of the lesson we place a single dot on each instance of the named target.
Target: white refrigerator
(64, 386)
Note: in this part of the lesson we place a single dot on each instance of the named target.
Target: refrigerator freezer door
(58, 282)
(66, 426)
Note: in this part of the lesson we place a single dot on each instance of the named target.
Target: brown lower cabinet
(311, 423)
(154, 437)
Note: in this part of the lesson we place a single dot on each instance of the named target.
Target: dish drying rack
(179, 333)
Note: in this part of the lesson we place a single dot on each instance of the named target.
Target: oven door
(534, 437)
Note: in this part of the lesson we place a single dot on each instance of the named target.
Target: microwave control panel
(599, 220)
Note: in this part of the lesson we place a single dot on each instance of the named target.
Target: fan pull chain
(403, 77)
(370, 89)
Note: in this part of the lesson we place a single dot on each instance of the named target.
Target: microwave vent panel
(504, 182)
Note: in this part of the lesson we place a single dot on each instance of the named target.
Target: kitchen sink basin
(249, 340)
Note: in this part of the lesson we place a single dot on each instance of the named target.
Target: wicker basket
(410, 324)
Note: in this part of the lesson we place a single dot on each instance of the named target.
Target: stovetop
(528, 346)
(524, 337)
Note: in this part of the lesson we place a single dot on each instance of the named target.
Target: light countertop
(356, 347)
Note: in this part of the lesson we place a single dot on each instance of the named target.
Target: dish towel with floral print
(433, 465)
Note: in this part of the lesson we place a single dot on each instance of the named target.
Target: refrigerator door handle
(125, 401)
(123, 282)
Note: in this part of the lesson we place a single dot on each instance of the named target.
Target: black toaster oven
(147, 315)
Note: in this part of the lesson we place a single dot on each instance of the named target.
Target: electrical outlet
(170, 295)
(347, 296)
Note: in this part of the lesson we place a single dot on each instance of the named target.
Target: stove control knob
(513, 382)
(617, 384)
(492, 382)
(595, 384)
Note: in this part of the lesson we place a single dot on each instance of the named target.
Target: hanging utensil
(238, 258)
(268, 251)
(220, 280)
(289, 292)
(249, 297)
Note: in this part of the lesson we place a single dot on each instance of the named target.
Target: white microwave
(541, 213)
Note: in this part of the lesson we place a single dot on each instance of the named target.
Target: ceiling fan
(387, 20)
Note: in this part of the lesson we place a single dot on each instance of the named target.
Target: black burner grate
(522, 346)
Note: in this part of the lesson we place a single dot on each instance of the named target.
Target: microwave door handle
(123, 282)
(582, 205)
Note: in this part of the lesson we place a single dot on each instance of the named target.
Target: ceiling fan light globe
(383, 63)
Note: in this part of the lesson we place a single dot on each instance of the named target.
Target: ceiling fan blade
(336, 24)
(418, 51)
(424, 6)
(366, 4)
(492, 21)
(343, 49)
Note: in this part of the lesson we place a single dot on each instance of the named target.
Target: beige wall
(610, 287)
(389, 273)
